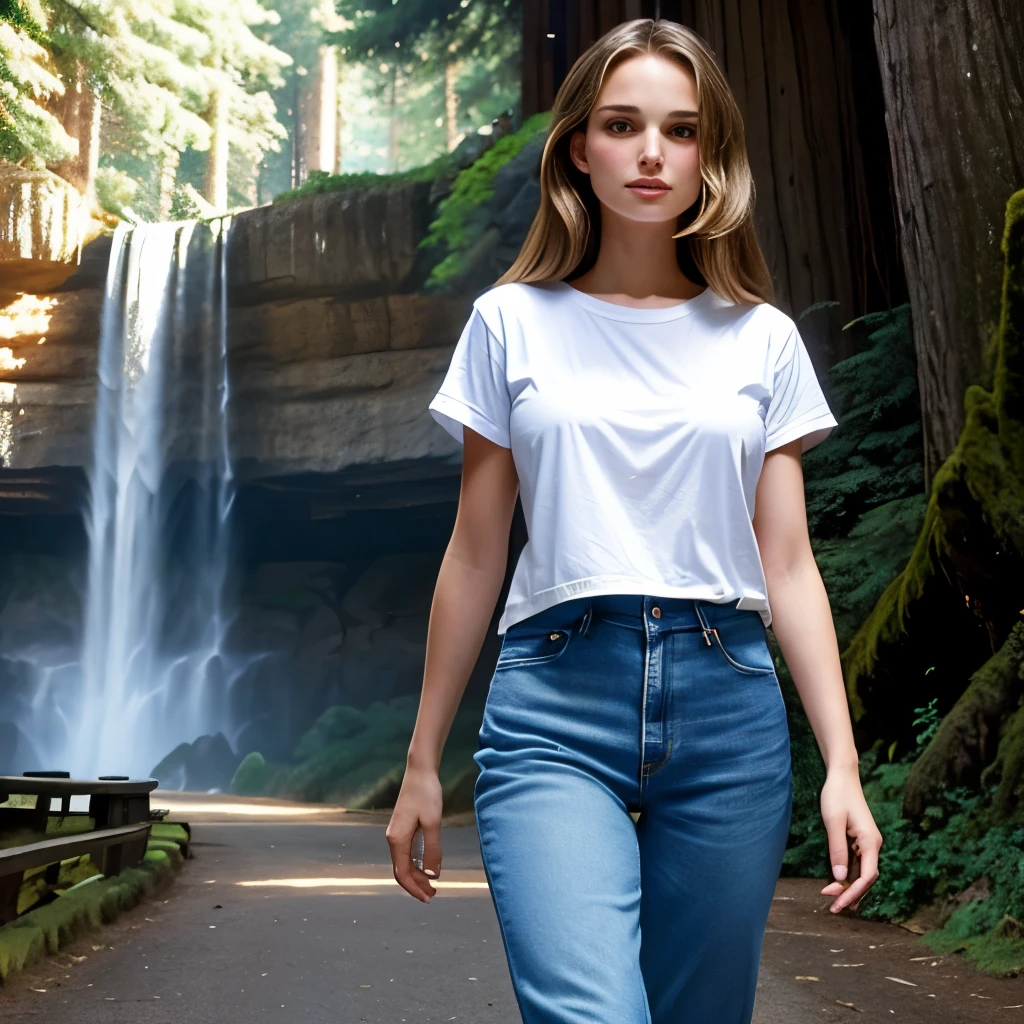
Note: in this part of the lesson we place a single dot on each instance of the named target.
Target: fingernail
(839, 870)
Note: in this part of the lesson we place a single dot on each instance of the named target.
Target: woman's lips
(650, 191)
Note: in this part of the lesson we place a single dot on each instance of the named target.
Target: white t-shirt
(638, 436)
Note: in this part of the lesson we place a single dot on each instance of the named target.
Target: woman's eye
(684, 127)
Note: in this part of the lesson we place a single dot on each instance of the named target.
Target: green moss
(253, 777)
(929, 863)
(964, 736)
(1007, 770)
(461, 218)
(356, 757)
(168, 830)
(319, 182)
(983, 476)
(51, 926)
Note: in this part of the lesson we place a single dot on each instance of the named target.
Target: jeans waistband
(635, 611)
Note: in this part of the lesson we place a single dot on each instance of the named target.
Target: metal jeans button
(656, 612)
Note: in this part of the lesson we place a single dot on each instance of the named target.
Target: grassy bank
(85, 900)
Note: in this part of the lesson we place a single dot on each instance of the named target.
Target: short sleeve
(474, 392)
(798, 407)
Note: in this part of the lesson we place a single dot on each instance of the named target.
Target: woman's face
(643, 125)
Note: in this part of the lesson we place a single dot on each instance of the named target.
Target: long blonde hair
(716, 244)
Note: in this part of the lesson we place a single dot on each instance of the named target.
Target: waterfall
(153, 668)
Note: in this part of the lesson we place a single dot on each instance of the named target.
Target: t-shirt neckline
(633, 314)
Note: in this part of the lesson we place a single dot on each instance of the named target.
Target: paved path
(296, 919)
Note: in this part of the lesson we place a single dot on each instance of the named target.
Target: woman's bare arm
(802, 623)
(466, 592)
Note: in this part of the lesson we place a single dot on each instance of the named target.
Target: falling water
(153, 673)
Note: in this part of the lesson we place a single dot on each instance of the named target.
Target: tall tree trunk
(298, 171)
(317, 120)
(393, 120)
(451, 105)
(954, 95)
(339, 123)
(79, 113)
(168, 179)
(216, 192)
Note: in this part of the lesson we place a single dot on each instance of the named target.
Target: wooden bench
(107, 848)
(113, 800)
(120, 809)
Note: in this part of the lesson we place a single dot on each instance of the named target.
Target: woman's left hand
(845, 814)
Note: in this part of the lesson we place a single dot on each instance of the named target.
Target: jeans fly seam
(643, 715)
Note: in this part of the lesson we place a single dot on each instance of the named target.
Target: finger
(432, 849)
(867, 877)
(838, 851)
(854, 893)
(414, 882)
(408, 876)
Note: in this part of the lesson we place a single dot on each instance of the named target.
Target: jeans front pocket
(744, 645)
(531, 647)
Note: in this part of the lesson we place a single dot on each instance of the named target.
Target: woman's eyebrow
(626, 108)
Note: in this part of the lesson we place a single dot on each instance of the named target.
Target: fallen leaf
(806, 977)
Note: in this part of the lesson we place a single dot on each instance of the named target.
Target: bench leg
(10, 887)
(113, 857)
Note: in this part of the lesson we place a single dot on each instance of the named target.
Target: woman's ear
(578, 151)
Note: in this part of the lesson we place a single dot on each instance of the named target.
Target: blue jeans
(604, 705)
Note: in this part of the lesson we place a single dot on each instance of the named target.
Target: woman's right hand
(418, 805)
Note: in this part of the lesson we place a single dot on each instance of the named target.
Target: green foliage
(462, 216)
(858, 567)
(923, 866)
(928, 863)
(28, 132)
(865, 507)
(116, 190)
(356, 757)
(156, 68)
(377, 25)
(320, 181)
(875, 455)
(930, 718)
(253, 777)
(979, 487)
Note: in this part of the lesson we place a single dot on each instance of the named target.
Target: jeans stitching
(750, 669)
(537, 659)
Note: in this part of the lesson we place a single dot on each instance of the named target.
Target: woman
(640, 410)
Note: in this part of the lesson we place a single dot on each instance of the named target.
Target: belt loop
(585, 622)
(705, 626)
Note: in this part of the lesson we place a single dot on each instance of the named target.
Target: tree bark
(168, 179)
(804, 75)
(318, 115)
(216, 192)
(79, 112)
(954, 96)
(451, 105)
(393, 120)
